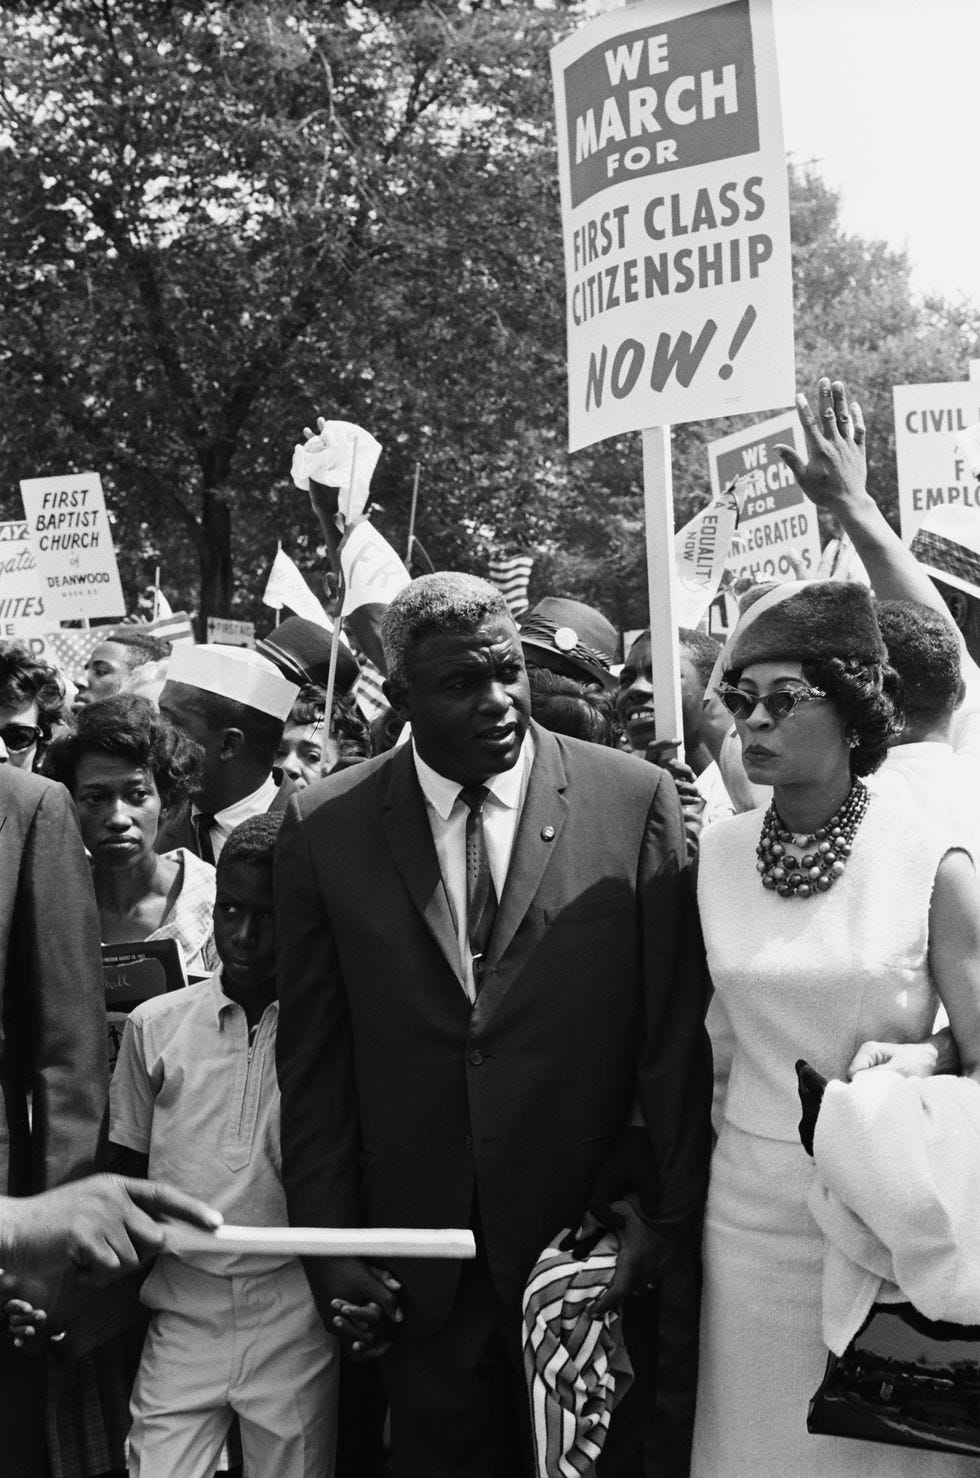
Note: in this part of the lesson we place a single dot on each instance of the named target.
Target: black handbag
(906, 1380)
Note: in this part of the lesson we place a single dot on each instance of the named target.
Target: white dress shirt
(225, 821)
(447, 817)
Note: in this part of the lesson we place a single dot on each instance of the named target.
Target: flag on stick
(373, 572)
(287, 587)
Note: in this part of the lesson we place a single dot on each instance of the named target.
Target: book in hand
(136, 972)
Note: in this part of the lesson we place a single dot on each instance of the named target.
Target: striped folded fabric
(577, 1367)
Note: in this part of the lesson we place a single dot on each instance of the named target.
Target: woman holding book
(125, 765)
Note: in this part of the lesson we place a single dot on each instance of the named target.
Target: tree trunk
(215, 559)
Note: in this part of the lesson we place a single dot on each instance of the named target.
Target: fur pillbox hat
(804, 621)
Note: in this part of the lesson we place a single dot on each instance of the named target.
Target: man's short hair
(253, 842)
(924, 650)
(448, 601)
(138, 646)
(702, 649)
(262, 731)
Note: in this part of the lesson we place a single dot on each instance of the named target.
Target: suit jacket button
(476, 1058)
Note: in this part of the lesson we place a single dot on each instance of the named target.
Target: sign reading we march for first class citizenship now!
(68, 527)
(675, 216)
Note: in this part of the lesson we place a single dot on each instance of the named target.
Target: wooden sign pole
(658, 503)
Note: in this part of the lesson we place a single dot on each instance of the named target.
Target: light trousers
(246, 1343)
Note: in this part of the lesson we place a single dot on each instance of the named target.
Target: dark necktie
(481, 896)
(202, 825)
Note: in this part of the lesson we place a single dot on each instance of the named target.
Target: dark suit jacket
(177, 830)
(398, 1097)
(52, 1013)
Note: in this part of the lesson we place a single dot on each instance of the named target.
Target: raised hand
(835, 473)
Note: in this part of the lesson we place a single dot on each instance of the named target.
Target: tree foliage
(223, 219)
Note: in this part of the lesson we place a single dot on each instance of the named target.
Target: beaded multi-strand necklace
(796, 866)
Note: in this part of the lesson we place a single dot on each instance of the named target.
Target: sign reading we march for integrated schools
(675, 216)
(777, 518)
(68, 527)
(932, 467)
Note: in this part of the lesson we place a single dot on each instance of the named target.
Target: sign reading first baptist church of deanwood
(68, 528)
(675, 216)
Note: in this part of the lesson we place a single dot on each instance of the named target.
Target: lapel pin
(547, 833)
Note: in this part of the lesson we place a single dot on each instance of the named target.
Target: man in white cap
(233, 702)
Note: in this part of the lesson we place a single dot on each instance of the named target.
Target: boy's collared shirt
(193, 1093)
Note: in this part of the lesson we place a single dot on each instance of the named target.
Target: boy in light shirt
(195, 1101)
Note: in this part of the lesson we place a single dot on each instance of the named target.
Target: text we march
(675, 217)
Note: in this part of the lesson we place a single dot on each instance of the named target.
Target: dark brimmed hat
(573, 635)
(301, 650)
(807, 620)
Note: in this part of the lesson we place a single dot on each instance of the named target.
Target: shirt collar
(222, 1004)
(506, 788)
(250, 805)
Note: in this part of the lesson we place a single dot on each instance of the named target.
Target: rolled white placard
(449, 1242)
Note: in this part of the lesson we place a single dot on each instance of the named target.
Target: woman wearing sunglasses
(831, 918)
(32, 705)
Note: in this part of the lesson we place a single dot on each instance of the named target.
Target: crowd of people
(507, 959)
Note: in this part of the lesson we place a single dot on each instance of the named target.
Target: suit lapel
(540, 826)
(409, 835)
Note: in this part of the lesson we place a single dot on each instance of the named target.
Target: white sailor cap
(234, 672)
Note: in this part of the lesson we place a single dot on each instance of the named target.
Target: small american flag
(511, 573)
(176, 627)
(69, 648)
(367, 691)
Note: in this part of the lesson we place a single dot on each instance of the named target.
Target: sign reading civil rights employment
(21, 597)
(69, 531)
(933, 467)
(675, 216)
(777, 519)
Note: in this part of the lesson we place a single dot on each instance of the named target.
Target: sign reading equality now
(663, 97)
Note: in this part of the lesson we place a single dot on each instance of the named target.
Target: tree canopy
(224, 219)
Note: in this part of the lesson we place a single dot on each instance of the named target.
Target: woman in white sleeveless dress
(831, 919)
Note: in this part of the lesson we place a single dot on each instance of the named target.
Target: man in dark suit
(488, 971)
(53, 1061)
(233, 702)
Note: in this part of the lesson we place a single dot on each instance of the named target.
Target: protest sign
(675, 216)
(69, 532)
(231, 633)
(777, 519)
(701, 550)
(21, 596)
(933, 469)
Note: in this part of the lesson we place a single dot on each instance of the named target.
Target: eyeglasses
(18, 737)
(779, 704)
